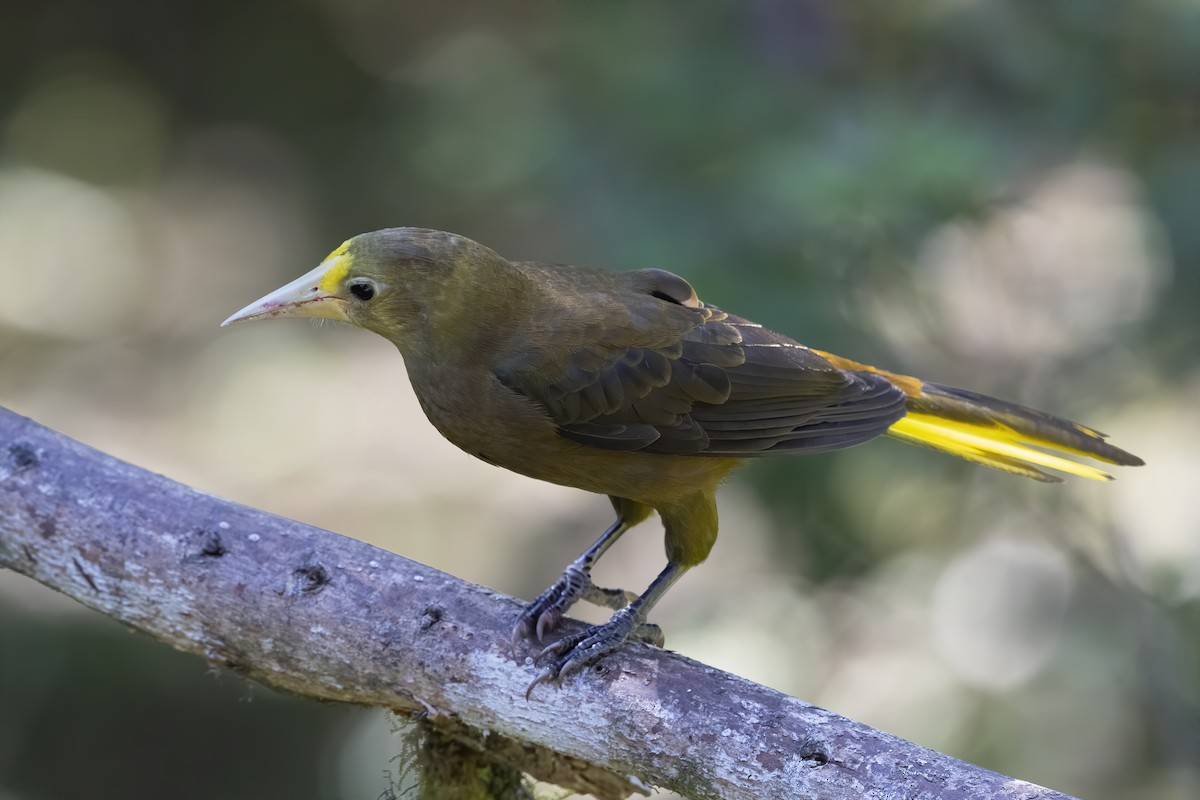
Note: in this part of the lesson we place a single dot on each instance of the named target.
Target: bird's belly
(503, 428)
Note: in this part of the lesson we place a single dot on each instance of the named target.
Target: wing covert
(660, 372)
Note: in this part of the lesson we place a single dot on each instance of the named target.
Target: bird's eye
(362, 290)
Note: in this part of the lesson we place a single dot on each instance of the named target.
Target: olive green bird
(628, 385)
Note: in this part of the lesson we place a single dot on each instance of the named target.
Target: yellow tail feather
(992, 445)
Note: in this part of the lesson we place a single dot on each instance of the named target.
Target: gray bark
(322, 615)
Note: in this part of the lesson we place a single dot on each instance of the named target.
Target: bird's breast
(474, 411)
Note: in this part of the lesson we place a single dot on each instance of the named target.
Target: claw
(545, 676)
(573, 665)
(520, 634)
(546, 622)
(561, 646)
(543, 614)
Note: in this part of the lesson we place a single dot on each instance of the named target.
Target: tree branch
(322, 615)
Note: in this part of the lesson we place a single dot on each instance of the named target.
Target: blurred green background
(1001, 196)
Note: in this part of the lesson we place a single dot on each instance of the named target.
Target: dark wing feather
(785, 398)
(661, 372)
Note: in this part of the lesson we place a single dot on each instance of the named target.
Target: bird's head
(385, 281)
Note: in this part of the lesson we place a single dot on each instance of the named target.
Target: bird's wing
(658, 371)
(785, 398)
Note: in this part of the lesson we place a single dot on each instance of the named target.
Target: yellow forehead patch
(339, 262)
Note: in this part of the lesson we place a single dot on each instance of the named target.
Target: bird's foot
(546, 612)
(572, 653)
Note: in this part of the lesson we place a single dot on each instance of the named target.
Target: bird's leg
(575, 584)
(572, 653)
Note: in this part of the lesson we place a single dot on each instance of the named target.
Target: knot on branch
(310, 578)
(22, 455)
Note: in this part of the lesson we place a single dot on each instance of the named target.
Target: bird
(627, 384)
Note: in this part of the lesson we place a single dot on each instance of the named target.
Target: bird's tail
(997, 433)
(1004, 435)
